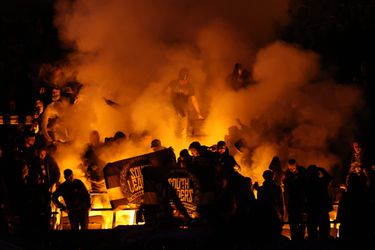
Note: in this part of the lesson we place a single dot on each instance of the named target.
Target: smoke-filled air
(127, 52)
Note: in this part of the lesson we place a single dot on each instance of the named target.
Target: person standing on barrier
(77, 201)
(182, 95)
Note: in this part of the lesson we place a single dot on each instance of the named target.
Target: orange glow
(260, 161)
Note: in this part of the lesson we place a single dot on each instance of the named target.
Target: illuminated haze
(128, 51)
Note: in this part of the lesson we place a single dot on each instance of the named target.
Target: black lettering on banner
(135, 182)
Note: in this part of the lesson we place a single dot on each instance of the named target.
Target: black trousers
(79, 219)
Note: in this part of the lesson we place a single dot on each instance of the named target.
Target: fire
(73, 162)
(69, 156)
(261, 159)
(101, 208)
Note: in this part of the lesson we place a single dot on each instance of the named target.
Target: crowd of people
(30, 177)
(296, 195)
(299, 196)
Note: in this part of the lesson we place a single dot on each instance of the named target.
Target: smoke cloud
(128, 51)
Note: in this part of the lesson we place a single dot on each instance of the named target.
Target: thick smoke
(289, 113)
(128, 51)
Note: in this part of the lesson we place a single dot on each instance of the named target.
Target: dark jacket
(75, 195)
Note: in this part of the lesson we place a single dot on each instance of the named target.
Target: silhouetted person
(155, 207)
(93, 163)
(353, 212)
(156, 145)
(225, 196)
(226, 161)
(319, 203)
(152, 178)
(371, 193)
(4, 229)
(270, 194)
(183, 100)
(203, 167)
(77, 201)
(270, 208)
(184, 160)
(27, 151)
(295, 199)
(119, 136)
(275, 166)
(35, 197)
(240, 77)
(48, 171)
